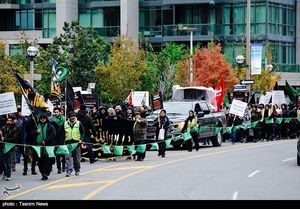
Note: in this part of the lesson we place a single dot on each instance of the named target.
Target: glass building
(273, 22)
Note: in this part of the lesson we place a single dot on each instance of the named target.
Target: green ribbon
(176, 138)
(38, 150)
(118, 150)
(8, 147)
(287, 120)
(202, 129)
(228, 129)
(187, 136)
(50, 151)
(269, 120)
(62, 150)
(131, 149)
(141, 148)
(106, 149)
(168, 143)
(236, 127)
(278, 120)
(154, 146)
(247, 126)
(71, 147)
(217, 130)
(253, 125)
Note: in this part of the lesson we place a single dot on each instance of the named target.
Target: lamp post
(31, 53)
(184, 28)
(269, 67)
(248, 39)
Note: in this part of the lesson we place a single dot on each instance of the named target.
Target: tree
(79, 49)
(210, 65)
(123, 72)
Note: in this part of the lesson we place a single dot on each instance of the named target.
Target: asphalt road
(260, 171)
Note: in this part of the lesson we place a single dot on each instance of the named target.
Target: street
(249, 171)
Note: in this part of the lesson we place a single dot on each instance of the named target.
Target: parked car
(178, 112)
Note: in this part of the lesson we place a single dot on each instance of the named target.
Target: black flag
(70, 97)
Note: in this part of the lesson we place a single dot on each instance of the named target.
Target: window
(49, 23)
(14, 49)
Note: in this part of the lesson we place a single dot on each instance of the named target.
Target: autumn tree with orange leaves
(209, 66)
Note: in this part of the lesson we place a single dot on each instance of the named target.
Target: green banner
(38, 150)
(217, 130)
(187, 136)
(176, 138)
(253, 125)
(247, 126)
(154, 146)
(236, 127)
(287, 120)
(141, 148)
(50, 151)
(269, 120)
(62, 150)
(106, 149)
(278, 120)
(202, 129)
(118, 150)
(73, 146)
(168, 143)
(8, 147)
(228, 129)
(131, 149)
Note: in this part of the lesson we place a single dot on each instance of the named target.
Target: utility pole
(248, 40)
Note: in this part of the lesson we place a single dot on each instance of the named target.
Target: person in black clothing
(189, 125)
(119, 112)
(162, 124)
(31, 141)
(88, 125)
(103, 113)
(9, 133)
(58, 121)
(45, 136)
(144, 112)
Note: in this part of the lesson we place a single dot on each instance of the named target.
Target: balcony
(109, 31)
(9, 4)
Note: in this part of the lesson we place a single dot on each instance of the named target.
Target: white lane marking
(289, 159)
(253, 173)
(235, 195)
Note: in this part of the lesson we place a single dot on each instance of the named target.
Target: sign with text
(157, 101)
(140, 98)
(7, 103)
(238, 108)
(78, 100)
(265, 99)
(25, 111)
(256, 56)
(278, 97)
(90, 100)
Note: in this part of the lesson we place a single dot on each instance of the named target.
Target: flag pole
(66, 83)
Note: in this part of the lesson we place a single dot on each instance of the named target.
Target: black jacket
(87, 123)
(11, 134)
(50, 135)
(60, 133)
(162, 122)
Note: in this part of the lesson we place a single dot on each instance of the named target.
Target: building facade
(273, 23)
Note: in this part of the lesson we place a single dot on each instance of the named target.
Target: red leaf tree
(210, 65)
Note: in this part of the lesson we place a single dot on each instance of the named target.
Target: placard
(157, 101)
(139, 97)
(278, 97)
(238, 108)
(25, 111)
(7, 103)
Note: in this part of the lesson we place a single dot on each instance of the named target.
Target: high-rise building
(273, 22)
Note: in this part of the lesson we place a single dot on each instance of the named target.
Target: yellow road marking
(127, 168)
(95, 192)
(77, 184)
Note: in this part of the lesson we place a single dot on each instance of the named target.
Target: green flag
(217, 130)
(8, 146)
(228, 129)
(131, 149)
(62, 150)
(269, 120)
(50, 151)
(235, 128)
(118, 150)
(187, 136)
(176, 138)
(106, 149)
(287, 120)
(168, 143)
(38, 150)
(73, 146)
(278, 120)
(154, 146)
(141, 148)
(202, 129)
(253, 124)
(247, 126)
(290, 91)
(226, 101)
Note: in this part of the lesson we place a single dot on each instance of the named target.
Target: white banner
(265, 99)
(50, 106)
(238, 108)
(7, 103)
(25, 111)
(139, 96)
(278, 97)
(256, 56)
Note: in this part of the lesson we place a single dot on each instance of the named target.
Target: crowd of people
(79, 127)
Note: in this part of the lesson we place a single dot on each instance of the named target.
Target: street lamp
(269, 67)
(240, 59)
(185, 28)
(31, 53)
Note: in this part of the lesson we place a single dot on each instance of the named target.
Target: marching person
(140, 134)
(74, 134)
(162, 124)
(58, 121)
(88, 126)
(45, 136)
(9, 133)
(189, 124)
